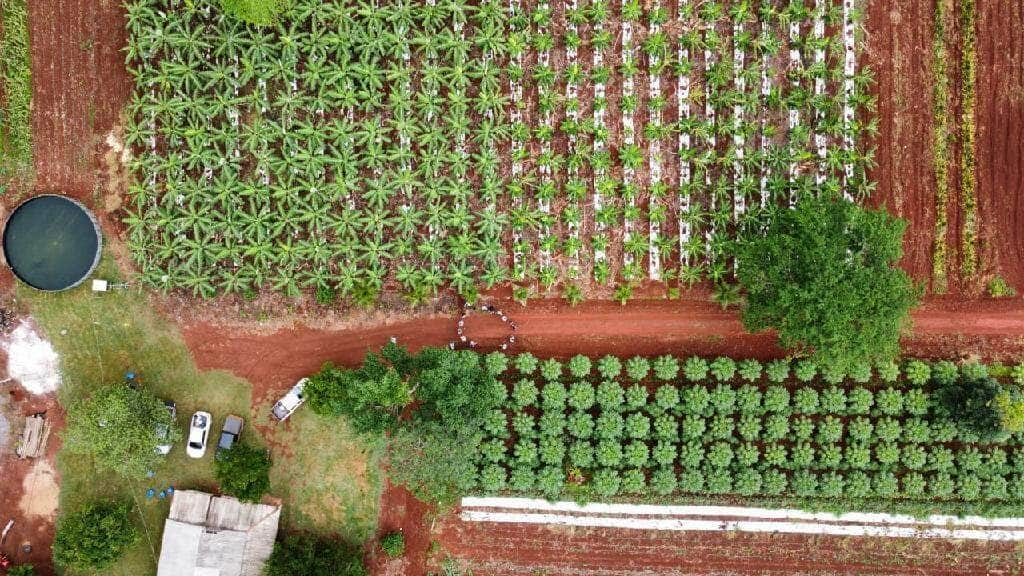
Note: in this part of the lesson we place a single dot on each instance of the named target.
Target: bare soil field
(79, 88)
(1000, 121)
(518, 549)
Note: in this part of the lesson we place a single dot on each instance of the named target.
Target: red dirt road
(272, 362)
(521, 549)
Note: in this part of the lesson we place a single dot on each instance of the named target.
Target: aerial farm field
(551, 207)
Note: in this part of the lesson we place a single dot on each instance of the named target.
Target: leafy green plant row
(745, 435)
(941, 136)
(16, 74)
(967, 19)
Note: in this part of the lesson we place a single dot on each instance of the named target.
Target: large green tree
(118, 426)
(243, 472)
(92, 538)
(312, 556)
(824, 275)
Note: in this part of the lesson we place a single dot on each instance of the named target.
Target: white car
(198, 433)
(284, 407)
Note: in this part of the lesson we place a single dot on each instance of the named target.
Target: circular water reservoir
(52, 242)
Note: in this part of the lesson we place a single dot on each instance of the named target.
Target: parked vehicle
(164, 432)
(198, 433)
(229, 434)
(284, 407)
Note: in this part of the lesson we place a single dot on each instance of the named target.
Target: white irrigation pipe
(849, 69)
(629, 137)
(539, 505)
(742, 526)
(599, 145)
(572, 113)
(654, 227)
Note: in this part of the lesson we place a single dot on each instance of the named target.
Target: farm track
(273, 361)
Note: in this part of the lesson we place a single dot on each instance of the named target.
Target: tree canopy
(94, 537)
(256, 12)
(306, 554)
(243, 472)
(824, 275)
(117, 426)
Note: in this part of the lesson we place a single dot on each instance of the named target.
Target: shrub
(974, 370)
(1018, 374)
(633, 481)
(638, 426)
(92, 538)
(524, 394)
(860, 372)
(526, 363)
(945, 372)
(666, 398)
(917, 372)
(805, 401)
(748, 482)
(581, 454)
(610, 425)
(1009, 404)
(312, 556)
(667, 368)
(692, 427)
(522, 478)
(749, 399)
(832, 485)
(830, 430)
(696, 400)
(579, 366)
(526, 452)
(243, 472)
(723, 368)
(552, 423)
(749, 427)
(610, 396)
(22, 570)
(722, 427)
(861, 429)
(554, 397)
(860, 401)
(858, 485)
(551, 369)
(637, 368)
(833, 400)
(666, 427)
(606, 482)
(581, 396)
(777, 371)
(914, 485)
(916, 401)
(776, 427)
(776, 399)
(580, 425)
(609, 367)
(636, 454)
(774, 482)
(805, 370)
(833, 373)
(255, 12)
(117, 427)
(550, 481)
(393, 544)
(750, 370)
(971, 403)
(889, 402)
(493, 478)
(888, 371)
(493, 451)
(636, 397)
(695, 369)
(664, 453)
(888, 429)
(724, 399)
(663, 481)
(496, 363)
(433, 462)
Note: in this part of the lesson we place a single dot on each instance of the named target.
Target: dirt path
(519, 549)
(272, 362)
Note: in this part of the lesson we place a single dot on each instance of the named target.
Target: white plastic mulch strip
(638, 517)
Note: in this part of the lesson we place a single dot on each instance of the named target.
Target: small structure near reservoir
(207, 535)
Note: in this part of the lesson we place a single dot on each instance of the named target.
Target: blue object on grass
(170, 489)
(162, 495)
(150, 493)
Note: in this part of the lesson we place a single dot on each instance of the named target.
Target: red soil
(79, 88)
(899, 38)
(400, 511)
(512, 549)
(272, 362)
(1000, 139)
(36, 531)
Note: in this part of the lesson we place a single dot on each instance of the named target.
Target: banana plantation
(567, 147)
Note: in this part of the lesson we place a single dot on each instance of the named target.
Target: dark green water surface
(51, 243)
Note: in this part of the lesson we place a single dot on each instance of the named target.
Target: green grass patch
(16, 75)
(327, 477)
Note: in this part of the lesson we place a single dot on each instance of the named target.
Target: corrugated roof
(216, 536)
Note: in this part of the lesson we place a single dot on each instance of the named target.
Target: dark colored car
(229, 435)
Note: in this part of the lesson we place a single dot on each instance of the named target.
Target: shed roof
(209, 535)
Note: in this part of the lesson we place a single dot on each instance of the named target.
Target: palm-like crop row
(696, 426)
(363, 145)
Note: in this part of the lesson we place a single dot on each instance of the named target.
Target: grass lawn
(328, 479)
